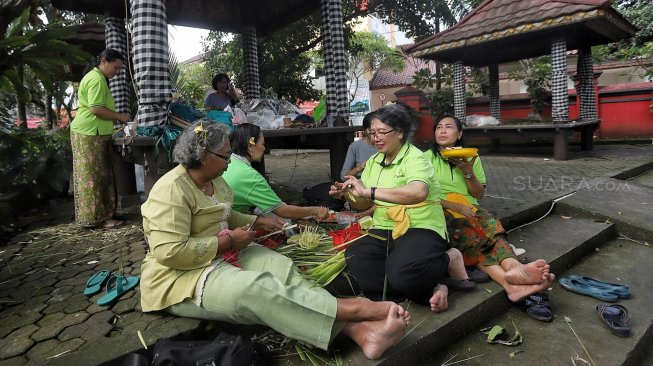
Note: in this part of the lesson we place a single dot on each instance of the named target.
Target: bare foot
(528, 274)
(360, 309)
(439, 299)
(456, 265)
(518, 293)
(375, 337)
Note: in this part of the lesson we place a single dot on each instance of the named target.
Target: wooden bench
(560, 133)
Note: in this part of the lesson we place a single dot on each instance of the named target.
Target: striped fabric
(459, 100)
(495, 102)
(585, 87)
(250, 55)
(560, 96)
(335, 64)
(116, 38)
(151, 73)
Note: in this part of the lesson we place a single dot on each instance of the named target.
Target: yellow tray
(466, 152)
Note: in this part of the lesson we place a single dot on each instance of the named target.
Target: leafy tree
(536, 74)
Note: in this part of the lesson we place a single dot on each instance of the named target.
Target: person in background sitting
(251, 190)
(473, 230)
(224, 95)
(358, 152)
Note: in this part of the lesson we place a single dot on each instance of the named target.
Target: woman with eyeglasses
(473, 230)
(251, 190)
(190, 227)
(407, 255)
(90, 139)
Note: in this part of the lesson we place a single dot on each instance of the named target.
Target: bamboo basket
(178, 121)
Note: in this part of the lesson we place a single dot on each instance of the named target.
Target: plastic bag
(479, 121)
(239, 116)
(320, 111)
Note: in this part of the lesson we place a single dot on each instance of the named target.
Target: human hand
(269, 223)
(124, 117)
(320, 213)
(354, 185)
(467, 166)
(241, 237)
(335, 190)
(465, 210)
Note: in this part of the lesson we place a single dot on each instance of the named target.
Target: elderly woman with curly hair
(190, 225)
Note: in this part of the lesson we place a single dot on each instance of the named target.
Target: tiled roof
(384, 78)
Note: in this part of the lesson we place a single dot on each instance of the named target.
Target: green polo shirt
(452, 179)
(93, 92)
(250, 187)
(410, 165)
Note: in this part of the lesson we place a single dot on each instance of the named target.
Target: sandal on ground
(537, 307)
(615, 317)
(622, 291)
(465, 284)
(583, 288)
(476, 275)
(116, 286)
(95, 282)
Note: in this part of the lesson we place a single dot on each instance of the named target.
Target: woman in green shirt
(192, 233)
(90, 138)
(408, 255)
(251, 190)
(473, 230)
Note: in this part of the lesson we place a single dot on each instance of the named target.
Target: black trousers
(413, 263)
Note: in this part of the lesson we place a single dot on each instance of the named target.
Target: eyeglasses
(225, 158)
(375, 134)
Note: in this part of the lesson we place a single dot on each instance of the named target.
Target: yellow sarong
(399, 215)
(459, 198)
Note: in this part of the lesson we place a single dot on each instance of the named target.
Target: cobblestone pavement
(45, 318)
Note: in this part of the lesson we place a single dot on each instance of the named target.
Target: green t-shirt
(93, 92)
(452, 179)
(410, 165)
(250, 187)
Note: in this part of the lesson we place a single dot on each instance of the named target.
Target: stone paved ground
(45, 318)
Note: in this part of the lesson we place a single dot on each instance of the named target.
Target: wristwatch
(469, 176)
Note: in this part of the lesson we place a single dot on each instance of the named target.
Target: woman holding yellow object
(473, 230)
(406, 255)
(90, 137)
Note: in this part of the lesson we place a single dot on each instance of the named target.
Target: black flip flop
(615, 318)
(465, 285)
(537, 307)
(476, 275)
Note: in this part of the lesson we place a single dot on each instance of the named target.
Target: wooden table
(560, 133)
(141, 150)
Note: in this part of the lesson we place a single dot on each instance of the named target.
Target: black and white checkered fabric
(335, 59)
(495, 102)
(585, 88)
(116, 38)
(151, 73)
(560, 94)
(459, 99)
(250, 56)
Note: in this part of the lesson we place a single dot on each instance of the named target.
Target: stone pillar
(585, 86)
(335, 61)
(495, 102)
(250, 56)
(459, 99)
(150, 58)
(560, 94)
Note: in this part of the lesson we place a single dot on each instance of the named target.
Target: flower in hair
(251, 141)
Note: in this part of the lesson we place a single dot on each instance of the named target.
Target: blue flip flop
(116, 286)
(622, 291)
(583, 288)
(95, 282)
(615, 317)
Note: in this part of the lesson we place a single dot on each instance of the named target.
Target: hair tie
(251, 141)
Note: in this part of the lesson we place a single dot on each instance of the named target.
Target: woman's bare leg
(359, 309)
(439, 299)
(456, 265)
(517, 293)
(525, 274)
(377, 336)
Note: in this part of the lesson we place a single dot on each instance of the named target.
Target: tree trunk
(49, 112)
(21, 109)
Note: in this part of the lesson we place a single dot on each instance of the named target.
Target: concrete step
(561, 241)
(554, 343)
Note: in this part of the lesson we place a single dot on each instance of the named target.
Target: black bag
(225, 349)
(318, 195)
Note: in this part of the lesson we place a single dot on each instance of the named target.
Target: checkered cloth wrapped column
(151, 72)
(495, 103)
(116, 38)
(335, 59)
(250, 54)
(459, 100)
(560, 95)
(585, 77)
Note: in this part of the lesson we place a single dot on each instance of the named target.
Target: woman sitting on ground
(189, 226)
(407, 256)
(473, 230)
(250, 188)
